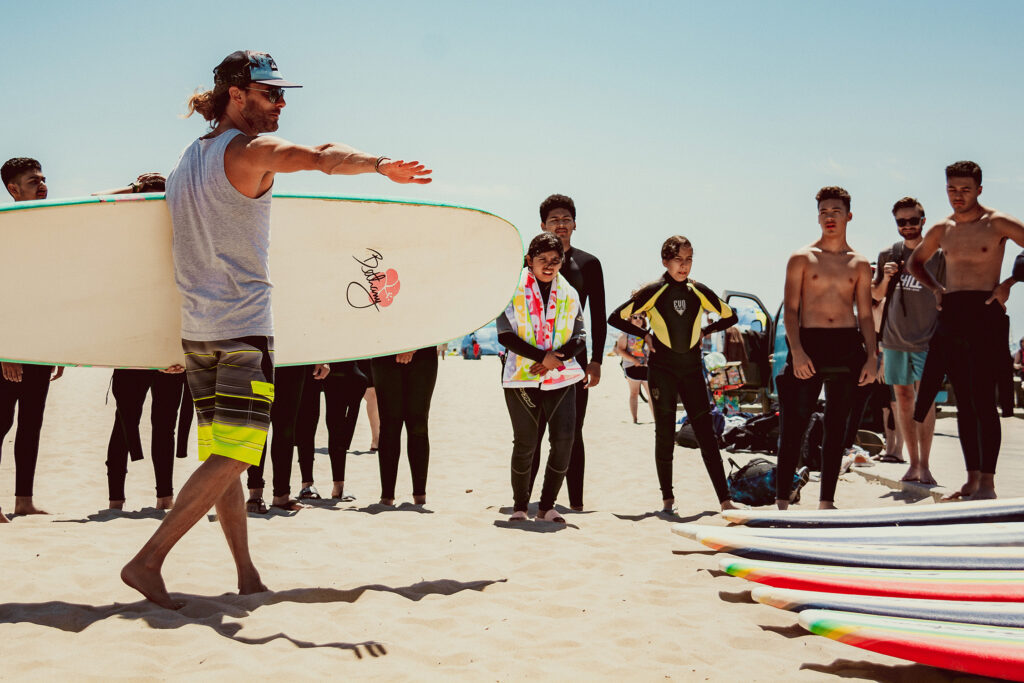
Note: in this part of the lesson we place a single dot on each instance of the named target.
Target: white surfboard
(90, 281)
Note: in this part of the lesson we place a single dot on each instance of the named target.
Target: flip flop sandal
(256, 506)
(309, 493)
(519, 517)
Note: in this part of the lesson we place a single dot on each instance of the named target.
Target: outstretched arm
(275, 155)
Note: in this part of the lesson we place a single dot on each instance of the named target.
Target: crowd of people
(939, 293)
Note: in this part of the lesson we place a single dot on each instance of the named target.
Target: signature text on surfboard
(377, 288)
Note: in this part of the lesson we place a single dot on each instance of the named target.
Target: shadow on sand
(667, 516)
(212, 612)
(110, 515)
(886, 673)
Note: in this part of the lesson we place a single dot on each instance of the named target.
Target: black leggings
(838, 357)
(30, 396)
(577, 458)
(404, 391)
(130, 388)
(526, 409)
(343, 390)
(670, 377)
(968, 342)
(284, 413)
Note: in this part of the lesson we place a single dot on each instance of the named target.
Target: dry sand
(449, 591)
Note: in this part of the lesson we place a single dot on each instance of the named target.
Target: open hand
(405, 172)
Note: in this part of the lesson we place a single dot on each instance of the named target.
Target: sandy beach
(447, 591)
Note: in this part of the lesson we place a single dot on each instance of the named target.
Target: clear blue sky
(718, 121)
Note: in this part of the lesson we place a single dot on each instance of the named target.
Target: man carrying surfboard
(969, 344)
(24, 385)
(219, 198)
(824, 280)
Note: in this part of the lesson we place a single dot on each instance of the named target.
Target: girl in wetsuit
(674, 306)
(542, 328)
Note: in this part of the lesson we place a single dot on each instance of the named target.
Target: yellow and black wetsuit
(675, 312)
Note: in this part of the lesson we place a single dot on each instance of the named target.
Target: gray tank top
(221, 243)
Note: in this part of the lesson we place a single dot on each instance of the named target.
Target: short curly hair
(908, 203)
(833, 192)
(13, 168)
(557, 201)
(672, 245)
(964, 169)
(543, 243)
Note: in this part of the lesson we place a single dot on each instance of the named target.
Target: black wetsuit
(969, 346)
(343, 391)
(838, 356)
(171, 407)
(583, 272)
(284, 414)
(30, 396)
(404, 391)
(676, 368)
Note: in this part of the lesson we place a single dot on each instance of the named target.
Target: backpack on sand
(754, 483)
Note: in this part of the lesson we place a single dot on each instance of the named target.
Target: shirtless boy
(824, 281)
(970, 340)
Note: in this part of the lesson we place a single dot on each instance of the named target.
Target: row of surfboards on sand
(941, 585)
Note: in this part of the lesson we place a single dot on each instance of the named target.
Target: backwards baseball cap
(247, 66)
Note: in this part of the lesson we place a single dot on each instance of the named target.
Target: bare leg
(420, 500)
(925, 432)
(3, 518)
(668, 505)
(116, 505)
(23, 506)
(339, 489)
(893, 437)
(650, 404)
(165, 503)
(782, 504)
(202, 490)
(373, 415)
(826, 505)
(913, 433)
(233, 521)
(634, 398)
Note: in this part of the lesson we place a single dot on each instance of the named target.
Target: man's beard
(261, 121)
(910, 234)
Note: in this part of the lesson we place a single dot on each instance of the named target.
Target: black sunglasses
(272, 93)
(900, 222)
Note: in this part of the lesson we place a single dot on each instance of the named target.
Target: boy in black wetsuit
(583, 271)
(823, 282)
(674, 305)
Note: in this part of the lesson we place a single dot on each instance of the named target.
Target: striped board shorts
(232, 384)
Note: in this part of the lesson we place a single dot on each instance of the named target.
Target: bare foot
(249, 582)
(3, 518)
(165, 503)
(729, 505)
(420, 500)
(925, 477)
(390, 502)
(984, 494)
(115, 505)
(826, 505)
(668, 505)
(966, 492)
(23, 506)
(149, 583)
